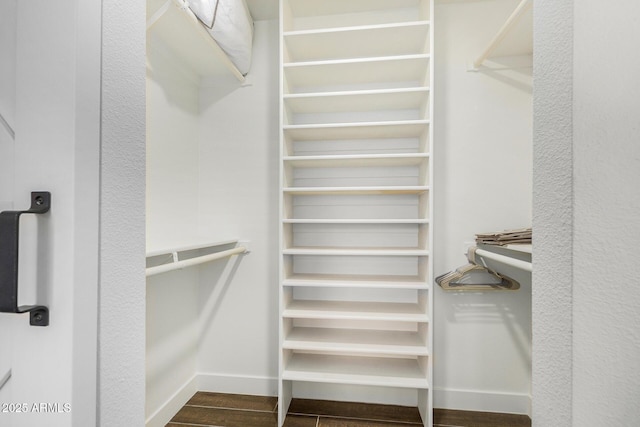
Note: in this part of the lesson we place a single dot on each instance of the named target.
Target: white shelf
(178, 30)
(352, 281)
(308, 191)
(371, 371)
(349, 310)
(413, 159)
(365, 100)
(356, 341)
(336, 131)
(354, 221)
(404, 70)
(308, 8)
(405, 38)
(355, 251)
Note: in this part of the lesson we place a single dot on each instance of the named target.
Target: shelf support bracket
(502, 33)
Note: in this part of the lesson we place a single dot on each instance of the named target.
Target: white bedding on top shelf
(230, 24)
(174, 29)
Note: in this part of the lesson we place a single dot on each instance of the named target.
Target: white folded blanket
(204, 10)
(230, 24)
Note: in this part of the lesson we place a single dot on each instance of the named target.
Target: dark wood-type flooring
(232, 410)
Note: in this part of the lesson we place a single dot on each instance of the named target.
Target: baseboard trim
(238, 384)
(482, 401)
(466, 400)
(163, 415)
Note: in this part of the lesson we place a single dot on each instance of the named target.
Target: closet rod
(176, 265)
(511, 21)
(522, 265)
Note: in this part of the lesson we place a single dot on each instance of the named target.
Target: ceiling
(263, 9)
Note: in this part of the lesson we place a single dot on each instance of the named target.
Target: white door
(49, 141)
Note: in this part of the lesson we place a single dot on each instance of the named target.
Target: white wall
(606, 108)
(239, 197)
(172, 150)
(553, 210)
(122, 172)
(597, 120)
(172, 218)
(483, 161)
(171, 343)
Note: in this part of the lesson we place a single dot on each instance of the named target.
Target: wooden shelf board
(362, 100)
(304, 8)
(412, 159)
(348, 310)
(355, 190)
(354, 221)
(353, 281)
(371, 371)
(405, 38)
(355, 251)
(336, 131)
(356, 71)
(356, 341)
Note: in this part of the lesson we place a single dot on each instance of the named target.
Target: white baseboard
(238, 384)
(163, 415)
(468, 400)
(476, 400)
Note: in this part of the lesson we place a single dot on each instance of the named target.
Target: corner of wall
(552, 301)
(121, 327)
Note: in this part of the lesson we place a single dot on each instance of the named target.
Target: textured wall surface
(587, 165)
(122, 259)
(552, 213)
(606, 344)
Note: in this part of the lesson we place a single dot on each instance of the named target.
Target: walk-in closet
(319, 213)
(312, 166)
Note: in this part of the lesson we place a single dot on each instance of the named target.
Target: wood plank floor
(233, 410)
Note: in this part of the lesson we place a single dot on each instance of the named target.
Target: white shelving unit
(356, 173)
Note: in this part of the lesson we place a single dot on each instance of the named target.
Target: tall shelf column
(356, 196)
